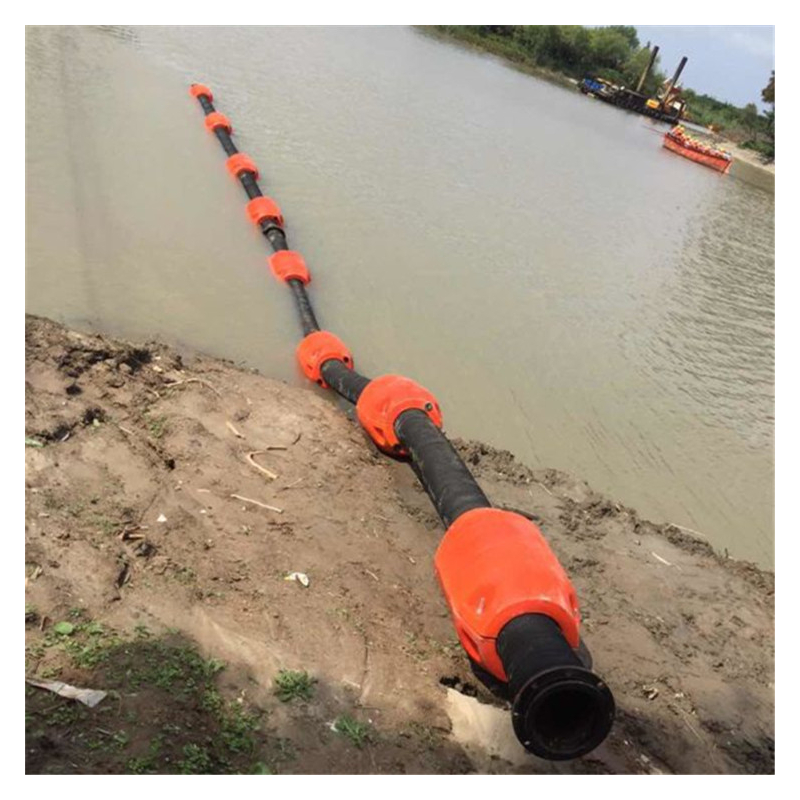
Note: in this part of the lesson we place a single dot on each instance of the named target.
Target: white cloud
(759, 42)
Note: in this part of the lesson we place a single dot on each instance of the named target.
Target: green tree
(750, 119)
(610, 49)
(768, 96)
(768, 92)
(529, 37)
(628, 32)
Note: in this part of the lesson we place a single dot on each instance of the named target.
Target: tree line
(615, 53)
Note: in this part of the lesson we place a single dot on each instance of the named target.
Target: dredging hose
(513, 606)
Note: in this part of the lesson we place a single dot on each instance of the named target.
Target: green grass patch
(358, 733)
(164, 713)
(165, 665)
(157, 427)
(292, 685)
(196, 760)
(238, 726)
(148, 763)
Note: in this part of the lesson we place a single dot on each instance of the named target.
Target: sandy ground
(133, 455)
(749, 157)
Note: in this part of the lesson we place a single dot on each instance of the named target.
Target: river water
(567, 288)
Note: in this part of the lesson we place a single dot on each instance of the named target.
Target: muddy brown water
(567, 288)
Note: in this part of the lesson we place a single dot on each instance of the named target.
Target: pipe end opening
(563, 713)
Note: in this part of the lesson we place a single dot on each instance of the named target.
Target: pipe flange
(563, 713)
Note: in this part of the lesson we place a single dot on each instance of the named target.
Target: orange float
(382, 402)
(289, 265)
(198, 90)
(493, 566)
(261, 208)
(216, 120)
(317, 348)
(241, 162)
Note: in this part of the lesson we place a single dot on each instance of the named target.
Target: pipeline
(513, 607)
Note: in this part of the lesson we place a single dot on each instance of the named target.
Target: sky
(729, 62)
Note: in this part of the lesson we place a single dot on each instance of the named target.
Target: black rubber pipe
(225, 140)
(247, 179)
(561, 710)
(441, 471)
(206, 103)
(344, 381)
(304, 309)
(249, 183)
(274, 234)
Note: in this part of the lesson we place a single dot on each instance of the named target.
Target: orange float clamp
(198, 90)
(494, 565)
(317, 348)
(241, 162)
(261, 208)
(289, 265)
(216, 120)
(382, 402)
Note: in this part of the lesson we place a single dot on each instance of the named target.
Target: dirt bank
(749, 156)
(145, 575)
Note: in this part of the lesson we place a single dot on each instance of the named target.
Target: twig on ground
(658, 558)
(689, 724)
(252, 462)
(290, 485)
(538, 483)
(233, 430)
(258, 503)
(193, 380)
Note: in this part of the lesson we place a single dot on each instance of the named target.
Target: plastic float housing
(494, 566)
(317, 348)
(261, 208)
(289, 265)
(216, 120)
(241, 162)
(382, 402)
(198, 90)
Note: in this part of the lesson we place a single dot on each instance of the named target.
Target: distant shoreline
(515, 60)
(512, 59)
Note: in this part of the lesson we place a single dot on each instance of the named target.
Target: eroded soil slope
(147, 533)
